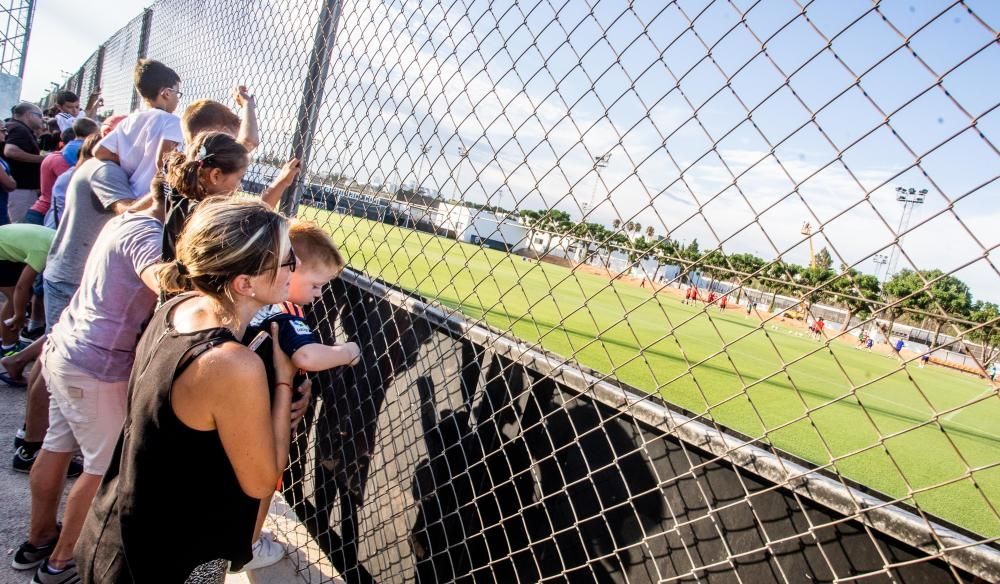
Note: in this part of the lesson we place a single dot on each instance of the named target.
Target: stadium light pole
(424, 149)
(880, 260)
(599, 163)
(910, 198)
(463, 153)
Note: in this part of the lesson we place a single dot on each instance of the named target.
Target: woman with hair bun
(203, 441)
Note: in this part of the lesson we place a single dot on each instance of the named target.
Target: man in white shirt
(68, 105)
(141, 142)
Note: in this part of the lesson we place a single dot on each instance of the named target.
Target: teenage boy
(68, 105)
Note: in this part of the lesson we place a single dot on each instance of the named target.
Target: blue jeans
(33, 217)
(57, 297)
(4, 216)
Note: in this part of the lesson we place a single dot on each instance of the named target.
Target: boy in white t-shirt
(141, 142)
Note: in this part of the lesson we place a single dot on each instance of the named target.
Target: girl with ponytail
(214, 164)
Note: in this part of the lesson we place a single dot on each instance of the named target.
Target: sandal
(11, 381)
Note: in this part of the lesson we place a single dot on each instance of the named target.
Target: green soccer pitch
(860, 410)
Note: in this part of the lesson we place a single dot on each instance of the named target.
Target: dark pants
(4, 216)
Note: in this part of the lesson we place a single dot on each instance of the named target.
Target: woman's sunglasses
(290, 262)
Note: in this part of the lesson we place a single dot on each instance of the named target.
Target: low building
(481, 227)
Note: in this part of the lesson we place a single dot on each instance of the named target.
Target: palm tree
(616, 224)
(650, 232)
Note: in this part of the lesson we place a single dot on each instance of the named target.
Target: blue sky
(486, 72)
(535, 90)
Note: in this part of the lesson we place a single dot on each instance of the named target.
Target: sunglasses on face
(290, 262)
(180, 94)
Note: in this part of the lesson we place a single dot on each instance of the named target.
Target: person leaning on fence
(205, 116)
(318, 262)
(97, 191)
(203, 440)
(86, 365)
(68, 104)
(144, 139)
(23, 154)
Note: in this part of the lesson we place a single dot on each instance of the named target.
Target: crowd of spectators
(160, 317)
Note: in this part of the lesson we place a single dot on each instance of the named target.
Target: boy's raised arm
(248, 135)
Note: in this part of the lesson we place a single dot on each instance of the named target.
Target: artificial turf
(895, 429)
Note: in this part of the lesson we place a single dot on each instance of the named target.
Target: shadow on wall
(350, 400)
(513, 493)
(487, 470)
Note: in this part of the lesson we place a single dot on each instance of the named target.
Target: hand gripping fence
(646, 291)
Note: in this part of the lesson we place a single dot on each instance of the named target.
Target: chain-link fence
(690, 290)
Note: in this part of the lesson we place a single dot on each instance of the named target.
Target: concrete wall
(453, 454)
(10, 93)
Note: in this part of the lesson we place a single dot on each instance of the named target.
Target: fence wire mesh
(690, 290)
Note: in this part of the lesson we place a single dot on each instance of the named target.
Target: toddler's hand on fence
(355, 351)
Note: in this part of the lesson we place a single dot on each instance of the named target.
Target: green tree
(858, 293)
(692, 252)
(823, 259)
(988, 335)
(948, 298)
(902, 293)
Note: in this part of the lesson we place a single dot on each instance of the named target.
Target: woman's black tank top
(170, 500)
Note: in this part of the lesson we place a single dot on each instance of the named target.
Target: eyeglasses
(180, 94)
(37, 114)
(290, 262)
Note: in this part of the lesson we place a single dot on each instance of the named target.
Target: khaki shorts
(85, 413)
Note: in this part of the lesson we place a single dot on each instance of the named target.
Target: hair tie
(203, 155)
(181, 268)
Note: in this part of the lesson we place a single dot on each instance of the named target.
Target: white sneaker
(266, 552)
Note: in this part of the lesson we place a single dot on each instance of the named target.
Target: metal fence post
(319, 64)
(147, 20)
(98, 71)
(27, 36)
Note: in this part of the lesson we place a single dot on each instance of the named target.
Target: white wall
(10, 93)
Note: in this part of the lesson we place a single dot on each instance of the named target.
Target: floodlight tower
(910, 198)
(599, 163)
(463, 154)
(880, 260)
(424, 150)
